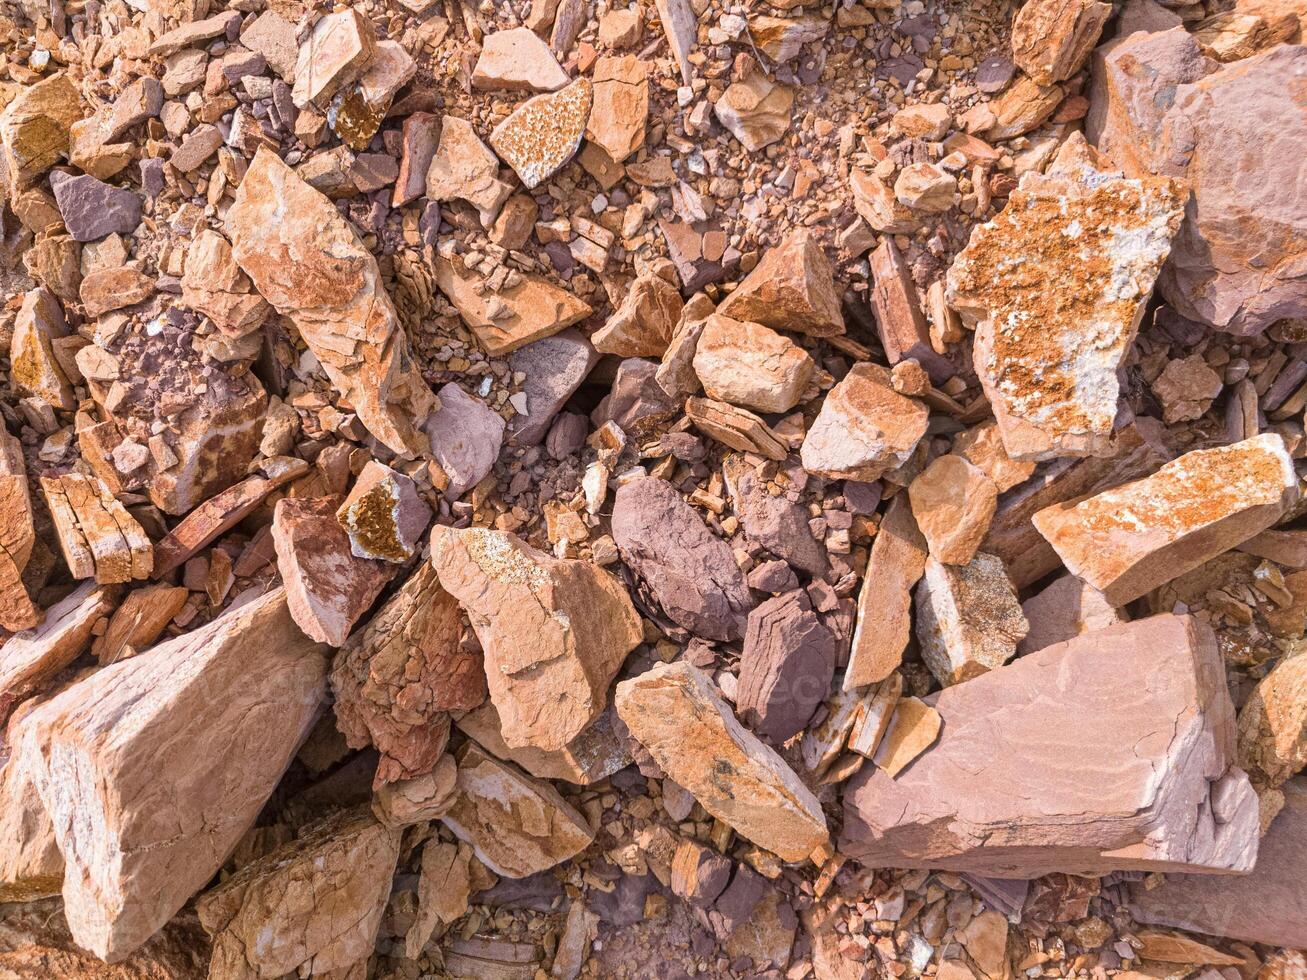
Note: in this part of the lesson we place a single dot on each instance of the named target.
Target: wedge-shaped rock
(792, 288)
(968, 618)
(517, 825)
(677, 714)
(338, 48)
(34, 128)
(621, 106)
(748, 364)
(137, 623)
(97, 536)
(464, 168)
(1052, 39)
(213, 284)
(517, 60)
(152, 769)
(383, 515)
(308, 262)
(735, 427)
(34, 368)
(412, 801)
(864, 429)
(543, 133)
(594, 754)
(786, 666)
(313, 905)
(554, 631)
(395, 678)
(1112, 751)
(1263, 907)
(643, 325)
(1136, 537)
(1056, 286)
(31, 866)
(17, 536)
(1273, 725)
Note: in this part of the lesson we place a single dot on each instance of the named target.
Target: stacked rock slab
(1112, 751)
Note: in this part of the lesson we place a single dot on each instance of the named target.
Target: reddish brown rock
(953, 503)
(644, 323)
(34, 128)
(1064, 610)
(1134, 538)
(621, 106)
(327, 587)
(31, 866)
(792, 288)
(786, 667)
(864, 429)
(597, 752)
(98, 537)
(1052, 39)
(383, 515)
(1144, 779)
(900, 324)
(138, 622)
(555, 632)
(214, 285)
(192, 737)
(466, 435)
(1273, 725)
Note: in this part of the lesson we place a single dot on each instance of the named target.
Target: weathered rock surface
(464, 168)
(517, 60)
(554, 368)
(31, 866)
(677, 714)
(621, 106)
(864, 429)
(968, 618)
(1064, 610)
(1052, 39)
(756, 110)
(690, 572)
(597, 752)
(309, 263)
(98, 537)
(786, 666)
(554, 631)
(1056, 286)
(34, 368)
(791, 288)
(174, 753)
(214, 285)
(775, 522)
(338, 48)
(911, 730)
(953, 503)
(1134, 538)
(384, 515)
(312, 905)
(34, 128)
(465, 439)
(517, 825)
(1273, 725)
(1011, 791)
(747, 364)
(543, 133)
(642, 326)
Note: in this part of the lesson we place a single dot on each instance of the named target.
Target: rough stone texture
(1273, 725)
(327, 587)
(517, 60)
(17, 536)
(747, 364)
(621, 106)
(98, 537)
(394, 679)
(864, 429)
(756, 110)
(338, 48)
(982, 446)
(34, 368)
(444, 887)
(311, 906)
(968, 618)
(384, 515)
(464, 168)
(554, 367)
(152, 769)
(413, 801)
(138, 622)
(953, 503)
(555, 632)
(466, 435)
(1237, 263)
(791, 288)
(1262, 907)
(34, 129)
(31, 866)
(786, 667)
(92, 209)
(911, 730)
(734, 427)
(597, 752)
(1052, 39)
(308, 262)
(517, 825)
(677, 714)
(642, 326)
(1136, 537)
(775, 522)
(543, 133)
(1022, 108)
(900, 324)
(1143, 780)
(690, 572)
(898, 559)
(1056, 286)
(1064, 610)
(214, 285)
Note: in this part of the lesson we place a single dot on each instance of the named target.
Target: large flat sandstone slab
(1112, 751)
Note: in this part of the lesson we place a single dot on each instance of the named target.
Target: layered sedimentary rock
(968, 618)
(792, 288)
(1143, 779)
(31, 866)
(1056, 286)
(308, 262)
(896, 564)
(153, 768)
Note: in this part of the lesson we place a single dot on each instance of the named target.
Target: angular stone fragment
(982, 446)
(699, 874)
(775, 522)
(464, 168)
(900, 324)
(734, 427)
(465, 439)
(175, 753)
(1232, 36)
(308, 262)
(384, 515)
(1143, 779)
(911, 730)
(517, 825)
(748, 364)
(756, 110)
(554, 368)
(33, 366)
(394, 679)
(953, 503)
(1273, 725)
(444, 886)
(872, 720)
(782, 38)
(677, 714)
(1023, 107)
(338, 48)
(876, 204)
(327, 587)
(555, 632)
(34, 129)
(517, 60)
(137, 623)
(31, 866)
(644, 323)
(1136, 537)
(420, 135)
(1064, 610)
(864, 429)
(313, 904)
(690, 571)
(1262, 907)
(97, 536)
(1056, 286)
(968, 618)
(214, 285)
(621, 106)
(925, 187)
(1052, 39)
(92, 209)
(786, 667)
(898, 559)
(791, 288)
(422, 798)
(17, 536)
(679, 25)
(543, 133)
(513, 316)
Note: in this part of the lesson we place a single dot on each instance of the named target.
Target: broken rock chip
(463, 168)
(555, 632)
(786, 667)
(756, 110)
(214, 285)
(911, 730)
(1133, 538)
(543, 133)
(554, 367)
(34, 129)
(338, 48)
(1052, 39)
(1143, 780)
(689, 570)
(596, 753)
(791, 288)
(677, 714)
(92, 209)
(864, 429)
(384, 515)
(327, 587)
(176, 752)
(1056, 286)
(466, 435)
(621, 106)
(644, 323)
(968, 618)
(747, 364)
(1273, 725)
(517, 60)
(313, 904)
(517, 825)
(953, 503)
(309, 263)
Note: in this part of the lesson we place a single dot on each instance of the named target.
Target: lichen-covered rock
(543, 133)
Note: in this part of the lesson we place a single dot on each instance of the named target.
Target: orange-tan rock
(643, 325)
(383, 515)
(864, 429)
(621, 106)
(968, 618)
(97, 536)
(1052, 39)
(953, 503)
(791, 288)
(594, 754)
(543, 133)
(34, 128)
(747, 364)
(464, 168)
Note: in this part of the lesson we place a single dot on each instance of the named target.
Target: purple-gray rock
(778, 524)
(566, 435)
(689, 571)
(736, 904)
(554, 368)
(993, 74)
(786, 667)
(465, 439)
(774, 577)
(637, 402)
(152, 176)
(92, 209)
